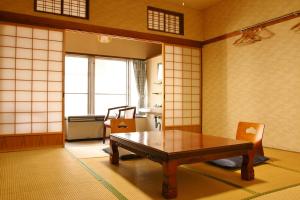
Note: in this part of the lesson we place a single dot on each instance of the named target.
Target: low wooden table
(173, 148)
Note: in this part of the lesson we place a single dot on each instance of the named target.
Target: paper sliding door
(182, 88)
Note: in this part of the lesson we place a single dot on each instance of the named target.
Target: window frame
(87, 10)
(166, 12)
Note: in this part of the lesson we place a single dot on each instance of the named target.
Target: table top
(174, 141)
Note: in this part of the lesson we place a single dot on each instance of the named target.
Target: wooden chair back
(122, 125)
(252, 132)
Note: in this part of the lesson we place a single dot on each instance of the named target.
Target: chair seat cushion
(123, 154)
(236, 162)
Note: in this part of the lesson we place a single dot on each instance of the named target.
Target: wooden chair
(122, 125)
(125, 112)
(252, 132)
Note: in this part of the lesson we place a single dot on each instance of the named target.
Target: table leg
(169, 186)
(114, 156)
(247, 171)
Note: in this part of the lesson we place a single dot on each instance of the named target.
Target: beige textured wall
(232, 15)
(122, 14)
(258, 82)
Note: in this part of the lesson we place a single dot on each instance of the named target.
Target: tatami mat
(292, 193)
(142, 179)
(47, 174)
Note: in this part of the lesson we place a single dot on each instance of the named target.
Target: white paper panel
(178, 58)
(54, 106)
(169, 89)
(23, 128)
(55, 76)
(7, 63)
(54, 96)
(177, 113)
(40, 44)
(187, 121)
(39, 86)
(39, 106)
(177, 89)
(7, 95)
(177, 97)
(54, 116)
(39, 117)
(196, 83)
(195, 90)
(168, 49)
(23, 96)
(177, 74)
(178, 66)
(40, 34)
(187, 51)
(54, 86)
(186, 113)
(196, 68)
(196, 113)
(196, 98)
(7, 52)
(168, 81)
(55, 66)
(169, 57)
(196, 105)
(23, 85)
(168, 73)
(187, 105)
(187, 59)
(7, 106)
(56, 46)
(23, 117)
(177, 50)
(40, 75)
(188, 89)
(195, 52)
(7, 85)
(169, 113)
(187, 74)
(187, 67)
(195, 60)
(195, 121)
(24, 31)
(177, 121)
(169, 97)
(24, 42)
(7, 41)
(23, 64)
(55, 56)
(7, 117)
(177, 105)
(169, 105)
(169, 121)
(195, 76)
(187, 97)
(7, 30)
(24, 53)
(39, 96)
(40, 54)
(56, 35)
(55, 127)
(39, 65)
(23, 106)
(39, 127)
(177, 81)
(7, 74)
(169, 65)
(23, 74)
(7, 129)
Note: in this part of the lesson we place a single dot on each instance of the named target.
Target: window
(76, 85)
(74, 8)
(165, 21)
(93, 84)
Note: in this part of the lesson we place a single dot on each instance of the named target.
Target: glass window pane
(76, 74)
(76, 104)
(103, 102)
(110, 76)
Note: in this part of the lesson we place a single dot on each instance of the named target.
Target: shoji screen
(31, 80)
(182, 88)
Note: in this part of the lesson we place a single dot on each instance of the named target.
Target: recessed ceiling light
(182, 3)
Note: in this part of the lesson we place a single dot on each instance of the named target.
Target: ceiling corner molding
(64, 24)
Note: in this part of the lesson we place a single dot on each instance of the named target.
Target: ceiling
(195, 4)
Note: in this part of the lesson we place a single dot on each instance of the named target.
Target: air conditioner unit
(84, 127)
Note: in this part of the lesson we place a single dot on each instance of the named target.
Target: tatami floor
(83, 171)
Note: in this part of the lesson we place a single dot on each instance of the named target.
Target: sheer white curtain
(140, 73)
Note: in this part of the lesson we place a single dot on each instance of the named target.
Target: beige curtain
(140, 73)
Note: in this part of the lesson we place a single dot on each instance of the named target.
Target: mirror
(159, 72)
